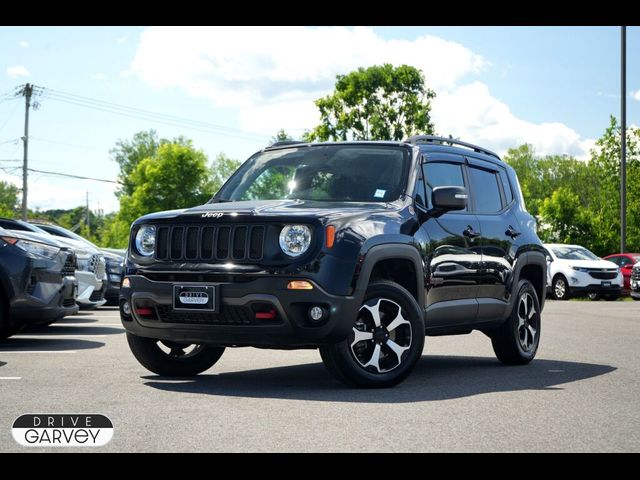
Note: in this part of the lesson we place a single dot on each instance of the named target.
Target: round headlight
(295, 239)
(146, 240)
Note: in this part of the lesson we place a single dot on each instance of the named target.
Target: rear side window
(440, 174)
(485, 190)
(506, 187)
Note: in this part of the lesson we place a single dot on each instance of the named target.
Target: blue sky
(554, 87)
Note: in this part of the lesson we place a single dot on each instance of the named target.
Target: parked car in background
(576, 271)
(115, 263)
(91, 272)
(625, 261)
(92, 263)
(635, 282)
(37, 282)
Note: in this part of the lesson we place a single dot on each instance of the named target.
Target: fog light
(299, 285)
(574, 280)
(317, 314)
(126, 283)
(126, 309)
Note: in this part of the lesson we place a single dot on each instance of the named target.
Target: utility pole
(27, 91)
(88, 214)
(623, 140)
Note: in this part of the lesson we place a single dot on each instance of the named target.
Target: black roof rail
(442, 140)
(282, 143)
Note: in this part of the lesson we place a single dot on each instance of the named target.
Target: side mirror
(549, 259)
(449, 198)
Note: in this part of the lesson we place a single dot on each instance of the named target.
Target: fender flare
(524, 260)
(386, 252)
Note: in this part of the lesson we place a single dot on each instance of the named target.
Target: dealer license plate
(194, 297)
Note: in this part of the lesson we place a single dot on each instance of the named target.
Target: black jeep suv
(356, 248)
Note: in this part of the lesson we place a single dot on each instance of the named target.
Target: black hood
(272, 208)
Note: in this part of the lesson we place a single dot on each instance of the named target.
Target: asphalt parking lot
(582, 393)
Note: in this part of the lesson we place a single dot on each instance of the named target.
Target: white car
(575, 271)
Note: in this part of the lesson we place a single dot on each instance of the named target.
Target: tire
(516, 341)
(611, 298)
(383, 356)
(636, 298)
(151, 355)
(560, 288)
(6, 329)
(594, 297)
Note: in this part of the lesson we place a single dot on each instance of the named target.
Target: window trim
(472, 162)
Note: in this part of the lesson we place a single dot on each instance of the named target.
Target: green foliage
(579, 201)
(221, 169)
(381, 102)
(8, 199)
(177, 177)
(280, 136)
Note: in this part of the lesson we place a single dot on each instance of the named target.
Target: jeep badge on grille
(212, 214)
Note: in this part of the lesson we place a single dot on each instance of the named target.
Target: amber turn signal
(299, 285)
(330, 236)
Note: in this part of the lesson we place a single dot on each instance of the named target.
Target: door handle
(511, 232)
(470, 232)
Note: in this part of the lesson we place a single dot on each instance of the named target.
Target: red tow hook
(270, 315)
(144, 311)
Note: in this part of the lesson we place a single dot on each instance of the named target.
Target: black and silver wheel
(516, 341)
(560, 288)
(385, 342)
(173, 359)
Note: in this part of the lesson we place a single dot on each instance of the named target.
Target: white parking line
(10, 378)
(2, 352)
(91, 325)
(52, 337)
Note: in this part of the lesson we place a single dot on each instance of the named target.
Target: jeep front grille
(208, 243)
(635, 274)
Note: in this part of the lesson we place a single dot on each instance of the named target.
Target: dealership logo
(212, 214)
(194, 298)
(62, 430)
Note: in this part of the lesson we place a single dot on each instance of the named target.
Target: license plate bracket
(606, 284)
(195, 297)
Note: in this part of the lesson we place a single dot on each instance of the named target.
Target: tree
(177, 177)
(129, 153)
(222, 168)
(280, 136)
(381, 102)
(8, 199)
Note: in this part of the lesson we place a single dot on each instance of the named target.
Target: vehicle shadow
(46, 345)
(435, 378)
(62, 330)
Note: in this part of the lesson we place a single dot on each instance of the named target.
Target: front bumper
(88, 284)
(612, 290)
(291, 329)
(50, 299)
(635, 288)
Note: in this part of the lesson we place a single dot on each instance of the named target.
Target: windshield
(574, 253)
(340, 173)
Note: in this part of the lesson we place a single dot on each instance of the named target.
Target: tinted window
(9, 225)
(442, 175)
(485, 190)
(624, 261)
(506, 187)
(615, 260)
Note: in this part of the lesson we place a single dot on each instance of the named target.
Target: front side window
(441, 174)
(332, 173)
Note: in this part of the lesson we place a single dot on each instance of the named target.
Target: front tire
(560, 288)
(385, 343)
(516, 341)
(173, 359)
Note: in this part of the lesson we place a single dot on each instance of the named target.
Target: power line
(69, 175)
(147, 115)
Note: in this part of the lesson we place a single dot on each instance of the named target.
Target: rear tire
(385, 343)
(516, 341)
(178, 361)
(560, 288)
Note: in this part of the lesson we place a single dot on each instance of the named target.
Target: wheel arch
(387, 262)
(532, 266)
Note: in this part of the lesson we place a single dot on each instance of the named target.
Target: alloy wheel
(527, 322)
(380, 336)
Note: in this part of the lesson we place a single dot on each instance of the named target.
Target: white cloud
(23, 44)
(636, 95)
(125, 73)
(122, 39)
(98, 76)
(273, 74)
(18, 71)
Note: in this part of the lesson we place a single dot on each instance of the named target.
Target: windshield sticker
(379, 193)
